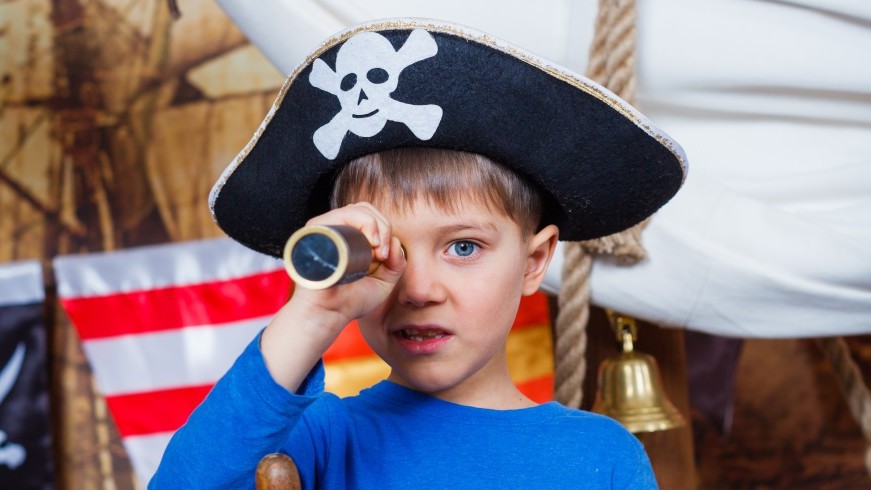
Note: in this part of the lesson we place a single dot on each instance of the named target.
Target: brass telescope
(319, 256)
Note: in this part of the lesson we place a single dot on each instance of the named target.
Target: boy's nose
(420, 284)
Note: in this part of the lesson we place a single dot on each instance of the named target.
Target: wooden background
(115, 120)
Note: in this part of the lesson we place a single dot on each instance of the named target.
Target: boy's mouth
(421, 334)
(423, 339)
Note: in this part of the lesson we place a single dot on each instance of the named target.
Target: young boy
(462, 160)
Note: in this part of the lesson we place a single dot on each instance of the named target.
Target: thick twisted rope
(571, 327)
(612, 64)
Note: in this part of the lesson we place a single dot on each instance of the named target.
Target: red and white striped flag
(161, 324)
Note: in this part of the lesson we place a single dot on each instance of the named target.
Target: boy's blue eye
(463, 248)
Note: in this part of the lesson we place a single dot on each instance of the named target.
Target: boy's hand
(353, 300)
(305, 327)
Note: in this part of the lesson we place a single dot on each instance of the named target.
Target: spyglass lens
(315, 257)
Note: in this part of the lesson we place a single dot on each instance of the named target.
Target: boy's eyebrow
(459, 227)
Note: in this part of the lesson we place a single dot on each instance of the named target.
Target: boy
(459, 238)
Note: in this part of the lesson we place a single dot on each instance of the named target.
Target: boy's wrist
(305, 311)
(296, 339)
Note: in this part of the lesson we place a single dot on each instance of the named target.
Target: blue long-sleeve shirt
(392, 437)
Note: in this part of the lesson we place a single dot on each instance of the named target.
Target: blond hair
(443, 178)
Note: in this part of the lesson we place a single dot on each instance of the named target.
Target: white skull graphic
(367, 72)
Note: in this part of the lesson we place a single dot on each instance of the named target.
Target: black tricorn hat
(601, 166)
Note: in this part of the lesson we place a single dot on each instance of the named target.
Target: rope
(612, 64)
(571, 323)
(852, 385)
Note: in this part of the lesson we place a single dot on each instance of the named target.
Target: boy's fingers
(377, 231)
(392, 267)
(366, 218)
(395, 261)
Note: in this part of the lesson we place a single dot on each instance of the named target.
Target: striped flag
(161, 324)
(25, 439)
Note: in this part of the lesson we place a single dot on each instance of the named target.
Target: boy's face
(444, 327)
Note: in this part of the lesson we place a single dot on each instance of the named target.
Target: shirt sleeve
(246, 416)
(638, 474)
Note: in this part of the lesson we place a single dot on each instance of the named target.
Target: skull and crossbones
(367, 72)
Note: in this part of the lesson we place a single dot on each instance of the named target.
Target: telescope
(320, 256)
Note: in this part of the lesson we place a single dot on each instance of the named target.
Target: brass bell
(630, 387)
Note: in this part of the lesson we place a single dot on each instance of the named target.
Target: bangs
(443, 178)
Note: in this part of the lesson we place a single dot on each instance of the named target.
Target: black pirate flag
(25, 441)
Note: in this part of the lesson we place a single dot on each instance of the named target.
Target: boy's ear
(540, 250)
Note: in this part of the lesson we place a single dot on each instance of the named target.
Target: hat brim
(602, 166)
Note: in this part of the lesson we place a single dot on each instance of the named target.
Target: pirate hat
(600, 165)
